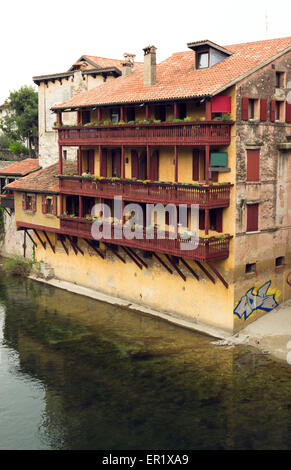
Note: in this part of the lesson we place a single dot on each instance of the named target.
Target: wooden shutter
(273, 111)
(288, 112)
(245, 109)
(263, 109)
(252, 217)
(195, 165)
(253, 165)
(55, 205)
(24, 201)
(103, 162)
(43, 204)
(219, 220)
(134, 164)
(155, 166)
(201, 219)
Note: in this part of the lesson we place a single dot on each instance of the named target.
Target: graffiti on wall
(261, 298)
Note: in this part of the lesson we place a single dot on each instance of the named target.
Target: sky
(45, 37)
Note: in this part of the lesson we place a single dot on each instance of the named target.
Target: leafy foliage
(17, 148)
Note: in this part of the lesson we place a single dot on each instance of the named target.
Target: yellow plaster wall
(37, 217)
(154, 287)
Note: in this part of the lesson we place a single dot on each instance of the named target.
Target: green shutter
(218, 159)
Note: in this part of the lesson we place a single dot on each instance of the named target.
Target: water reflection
(81, 374)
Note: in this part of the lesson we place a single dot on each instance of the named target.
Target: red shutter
(219, 220)
(55, 205)
(24, 201)
(245, 109)
(134, 164)
(273, 111)
(103, 162)
(263, 109)
(221, 104)
(201, 220)
(43, 204)
(195, 165)
(288, 112)
(252, 217)
(155, 166)
(253, 165)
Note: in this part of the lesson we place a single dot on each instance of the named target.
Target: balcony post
(99, 114)
(148, 163)
(121, 113)
(176, 163)
(206, 221)
(59, 118)
(100, 160)
(81, 206)
(78, 118)
(207, 160)
(79, 161)
(60, 159)
(208, 107)
(61, 204)
(122, 162)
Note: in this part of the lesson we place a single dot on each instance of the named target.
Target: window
(253, 165)
(114, 115)
(202, 60)
(280, 261)
(130, 114)
(182, 110)
(160, 113)
(250, 268)
(280, 80)
(65, 154)
(29, 202)
(49, 205)
(85, 117)
(279, 110)
(253, 111)
(252, 217)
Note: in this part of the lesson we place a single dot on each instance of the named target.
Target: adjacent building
(209, 127)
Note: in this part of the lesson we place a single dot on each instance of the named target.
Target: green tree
(21, 122)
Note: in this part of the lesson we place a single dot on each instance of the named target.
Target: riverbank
(271, 333)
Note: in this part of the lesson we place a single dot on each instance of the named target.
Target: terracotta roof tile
(176, 77)
(42, 181)
(22, 168)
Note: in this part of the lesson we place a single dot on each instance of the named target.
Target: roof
(177, 79)
(43, 180)
(22, 168)
(4, 163)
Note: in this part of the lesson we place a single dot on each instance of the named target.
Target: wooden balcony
(207, 196)
(7, 201)
(208, 248)
(165, 133)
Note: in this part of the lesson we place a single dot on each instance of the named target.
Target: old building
(210, 127)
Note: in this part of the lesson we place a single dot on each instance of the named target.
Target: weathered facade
(209, 127)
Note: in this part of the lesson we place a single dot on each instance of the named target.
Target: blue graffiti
(259, 301)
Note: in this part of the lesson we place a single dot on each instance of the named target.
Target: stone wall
(13, 241)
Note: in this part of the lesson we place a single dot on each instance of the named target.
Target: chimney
(127, 64)
(149, 66)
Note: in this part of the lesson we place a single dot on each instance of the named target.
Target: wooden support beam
(115, 252)
(206, 229)
(189, 268)
(176, 268)
(162, 263)
(60, 159)
(63, 244)
(205, 271)
(77, 247)
(72, 245)
(29, 236)
(122, 161)
(49, 242)
(138, 257)
(218, 274)
(207, 162)
(41, 241)
(132, 257)
(91, 244)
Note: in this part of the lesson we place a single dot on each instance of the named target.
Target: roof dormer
(207, 54)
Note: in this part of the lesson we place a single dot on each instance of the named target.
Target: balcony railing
(208, 248)
(207, 196)
(7, 201)
(166, 133)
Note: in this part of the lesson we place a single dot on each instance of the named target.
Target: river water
(76, 373)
